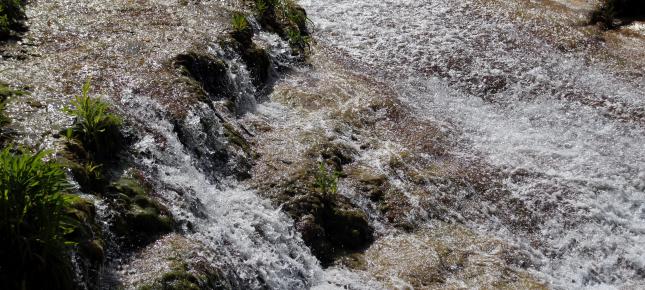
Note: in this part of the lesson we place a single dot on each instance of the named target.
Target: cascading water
(571, 126)
(241, 232)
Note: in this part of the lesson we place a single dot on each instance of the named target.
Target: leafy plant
(326, 181)
(94, 126)
(239, 22)
(11, 16)
(32, 223)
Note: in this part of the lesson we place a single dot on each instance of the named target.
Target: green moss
(186, 276)
(287, 19)
(236, 138)
(140, 218)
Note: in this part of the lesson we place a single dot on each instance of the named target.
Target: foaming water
(244, 234)
(573, 125)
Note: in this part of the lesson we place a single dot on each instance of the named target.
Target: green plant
(5, 94)
(94, 126)
(12, 15)
(239, 22)
(261, 6)
(326, 181)
(32, 223)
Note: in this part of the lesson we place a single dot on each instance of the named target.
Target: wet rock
(212, 141)
(86, 232)
(257, 60)
(332, 227)
(140, 219)
(182, 279)
(176, 262)
(209, 71)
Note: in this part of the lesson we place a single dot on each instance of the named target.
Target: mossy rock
(209, 71)
(330, 226)
(236, 138)
(190, 277)
(140, 218)
(128, 186)
(336, 153)
(257, 60)
(87, 234)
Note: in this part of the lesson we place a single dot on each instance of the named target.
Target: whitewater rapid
(569, 124)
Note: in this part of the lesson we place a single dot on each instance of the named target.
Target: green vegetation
(297, 40)
(139, 219)
(239, 22)
(33, 223)
(287, 19)
(5, 94)
(326, 181)
(12, 15)
(94, 127)
(613, 13)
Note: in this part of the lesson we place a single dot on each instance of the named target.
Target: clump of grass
(326, 181)
(12, 15)
(297, 40)
(614, 13)
(239, 22)
(32, 223)
(94, 126)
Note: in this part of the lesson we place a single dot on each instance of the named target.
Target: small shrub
(12, 15)
(94, 126)
(613, 13)
(32, 223)
(326, 181)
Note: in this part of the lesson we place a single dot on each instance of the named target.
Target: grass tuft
(239, 22)
(32, 223)
(94, 126)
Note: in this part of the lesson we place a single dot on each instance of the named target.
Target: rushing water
(574, 126)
